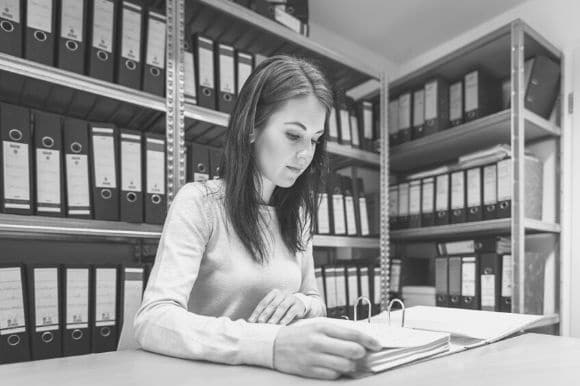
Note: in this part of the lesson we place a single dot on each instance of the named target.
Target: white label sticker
(345, 125)
(468, 277)
(364, 216)
(227, 73)
(377, 286)
(106, 296)
(442, 196)
(350, 217)
(332, 125)
(504, 178)
(46, 297)
(474, 187)
(103, 25)
(352, 285)
(415, 198)
(428, 196)
(431, 95)
(244, 72)
(395, 277)
(16, 169)
(404, 111)
(130, 166)
(339, 220)
(490, 185)
(10, 10)
(457, 190)
(354, 130)
(323, 218)
(48, 176)
(419, 108)
(403, 200)
(155, 172)
(471, 91)
(506, 276)
(11, 301)
(206, 69)
(190, 87)
(156, 43)
(71, 20)
(488, 291)
(77, 295)
(368, 120)
(104, 161)
(393, 201)
(456, 101)
(131, 35)
(77, 175)
(39, 15)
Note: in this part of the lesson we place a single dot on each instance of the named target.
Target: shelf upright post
(384, 191)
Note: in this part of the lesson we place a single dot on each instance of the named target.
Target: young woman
(234, 265)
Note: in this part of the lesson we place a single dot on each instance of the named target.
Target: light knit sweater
(204, 284)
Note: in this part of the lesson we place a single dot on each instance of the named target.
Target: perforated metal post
(384, 192)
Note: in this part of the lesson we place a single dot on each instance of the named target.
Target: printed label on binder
(77, 166)
(227, 71)
(71, 22)
(131, 163)
(48, 174)
(471, 94)
(206, 67)
(428, 195)
(104, 153)
(338, 207)
(11, 302)
(77, 295)
(10, 10)
(106, 295)
(16, 169)
(103, 25)
(506, 276)
(468, 277)
(156, 43)
(46, 299)
(39, 15)
(488, 291)
(131, 34)
(364, 217)
(490, 185)
(474, 187)
(323, 220)
(155, 172)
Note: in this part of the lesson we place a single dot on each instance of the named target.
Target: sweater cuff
(257, 346)
(306, 300)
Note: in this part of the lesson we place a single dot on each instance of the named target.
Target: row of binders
(111, 40)
(59, 166)
(290, 13)
(354, 124)
(441, 104)
(61, 310)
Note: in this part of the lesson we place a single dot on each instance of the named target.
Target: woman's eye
(293, 137)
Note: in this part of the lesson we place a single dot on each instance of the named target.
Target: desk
(526, 360)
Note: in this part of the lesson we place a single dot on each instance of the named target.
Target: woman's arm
(309, 292)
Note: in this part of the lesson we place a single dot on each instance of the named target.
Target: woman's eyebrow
(302, 126)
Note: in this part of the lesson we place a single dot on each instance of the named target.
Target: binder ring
(106, 194)
(40, 36)
(487, 271)
(201, 167)
(131, 197)
(389, 311)
(72, 45)
(468, 300)
(491, 208)
(206, 92)
(105, 331)
(503, 205)
(228, 97)
(440, 214)
(13, 340)
(15, 135)
(344, 317)
(7, 26)
(155, 71)
(478, 245)
(472, 210)
(290, 10)
(76, 147)
(130, 65)
(156, 199)
(454, 299)
(364, 299)
(77, 334)
(102, 55)
(47, 337)
(47, 142)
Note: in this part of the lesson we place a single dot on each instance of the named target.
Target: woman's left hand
(278, 307)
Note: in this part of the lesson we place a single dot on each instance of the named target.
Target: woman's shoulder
(202, 191)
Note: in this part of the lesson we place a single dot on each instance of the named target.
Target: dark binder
(103, 35)
(190, 82)
(338, 218)
(490, 281)
(225, 78)
(505, 304)
(349, 211)
(215, 158)
(244, 68)
(504, 188)
(490, 192)
(154, 73)
(418, 114)
(40, 31)
(428, 202)
(15, 323)
(362, 209)
(17, 168)
(50, 197)
(458, 214)
(104, 291)
(129, 65)
(78, 181)
(352, 289)
(482, 95)
(436, 106)
(456, 104)
(204, 64)
(72, 39)
(441, 282)
(199, 161)
(75, 310)
(104, 178)
(44, 311)
(542, 85)
(442, 201)
(393, 124)
(11, 21)
(155, 196)
(415, 204)
(403, 217)
(454, 272)
(394, 207)
(405, 118)
(469, 283)
(474, 194)
(131, 197)
(366, 125)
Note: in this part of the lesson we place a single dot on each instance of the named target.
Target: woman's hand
(320, 350)
(278, 307)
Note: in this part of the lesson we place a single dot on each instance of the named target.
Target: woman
(234, 265)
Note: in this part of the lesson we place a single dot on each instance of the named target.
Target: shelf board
(448, 145)
(536, 226)
(353, 153)
(345, 242)
(206, 115)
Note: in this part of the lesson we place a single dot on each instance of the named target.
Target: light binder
(403, 217)
(131, 197)
(441, 282)
(344, 124)
(377, 288)
(225, 77)
(341, 292)
(17, 166)
(199, 162)
(367, 125)
(11, 21)
(155, 197)
(104, 287)
(322, 215)
(365, 284)
(347, 189)
(40, 30)
(215, 159)
(131, 293)
(72, 40)
(394, 207)
(482, 95)
(333, 132)
(362, 209)
(354, 130)
(454, 280)
(428, 201)
(415, 204)
(244, 67)
(490, 192)
(103, 34)
(75, 292)
(204, 57)
(436, 106)
(474, 193)
(352, 289)
(504, 188)
(456, 104)
(418, 114)
(154, 71)
(338, 218)
(50, 198)
(405, 114)
(189, 68)
(129, 65)
(395, 276)
(505, 304)
(104, 171)
(329, 275)
(44, 310)
(394, 123)
(458, 197)
(469, 283)
(490, 281)
(14, 322)
(78, 182)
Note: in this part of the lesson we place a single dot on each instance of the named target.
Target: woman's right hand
(320, 350)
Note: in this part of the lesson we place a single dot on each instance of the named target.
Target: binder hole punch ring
(76, 147)
(7, 26)
(77, 334)
(47, 142)
(206, 92)
(454, 299)
(503, 205)
(130, 65)
(364, 299)
(13, 340)
(102, 55)
(15, 134)
(440, 214)
(487, 271)
(105, 332)
(155, 71)
(472, 210)
(227, 97)
(156, 199)
(201, 167)
(72, 45)
(290, 10)
(40, 36)
(47, 337)
(131, 197)
(399, 301)
(106, 194)
(468, 300)
(491, 208)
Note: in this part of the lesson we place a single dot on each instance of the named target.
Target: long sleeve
(163, 323)
(309, 292)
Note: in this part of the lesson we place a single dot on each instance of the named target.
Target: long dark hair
(274, 81)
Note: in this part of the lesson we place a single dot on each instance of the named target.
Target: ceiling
(400, 30)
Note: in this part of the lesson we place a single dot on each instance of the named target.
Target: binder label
(71, 22)
(471, 91)
(16, 169)
(10, 10)
(244, 71)
(155, 172)
(364, 216)
(506, 276)
(455, 101)
(46, 298)
(104, 158)
(419, 108)
(490, 185)
(332, 125)
(459, 247)
(442, 196)
(77, 177)
(130, 166)
(340, 288)
(338, 208)
(431, 95)
(474, 187)
(330, 276)
(393, 117)
(226, 58)
(504, 176)
(364, 282)
(395, 276)
(352, 285)
(428, 196)
(77, 297)
(377, 284)
(488, 291)
(189, 63)
(368, 120)
(156, 43)
(12, 301)
(468, 276)
(345, 125)
(404, 111)
(131, 34)
(48, 176)
(322, 218)
(39, 15)
(393, 201)
(354, 129)
(415, 198)
(457, 190)
(105, 297)
(206, 69)
(404, 199)
(103, 25)
(351, 220)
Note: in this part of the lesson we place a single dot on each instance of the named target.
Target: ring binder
(402, 308)
(369, 304)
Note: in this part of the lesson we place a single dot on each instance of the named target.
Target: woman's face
(285, 146)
